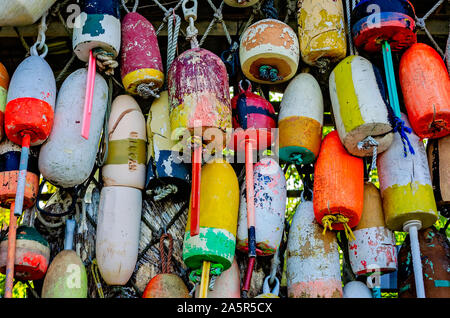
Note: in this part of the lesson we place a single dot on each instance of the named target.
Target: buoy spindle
(195, 195)
(204, 283)
(87, 112)
(11, 252)
(413, 227)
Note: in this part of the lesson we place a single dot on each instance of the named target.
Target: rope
(329, 219)
(399, 126)
(365, 144)
(216, 271)
(217, 18)
(40, 42)
(102, 155)
(269, 73)
(66, 67)
(421, 23)
(105, 61)
(274, 266)
(166, 259)
(172, 38)
(162, 192)
(95, 275)
(136, 3)
(290, 9)
(268, 9)
(349, 28)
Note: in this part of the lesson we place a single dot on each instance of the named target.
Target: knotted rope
(162, 192)
(105, 61)
(365, 144)
(136, 3)
(421, 23)
(329, 219)
(215, 271)
(399, 126)
(269, 73)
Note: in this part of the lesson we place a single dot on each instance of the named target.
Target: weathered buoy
(357, 289)
(23, 12)
(141, 64)
(359, 106)
(241, 3)
(97, 27)
(118, 229)
(321, 31)
(338, 204)
(9, 175)
(300, 120)
(438, 151)
(219, 205)
(426, 91)
(32, 254)
(377, 21)
(405, 184)
(270, 205)
(166, 284)
(66, 276)
(269, 52)
(164, 164)
(67, 159)
(313, 268)
(127, 138)
(227, 285)
(373, 250)
(30, 101)
(435, 256)
(4, 83)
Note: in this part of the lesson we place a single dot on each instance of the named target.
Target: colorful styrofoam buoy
(141, 62)
(23, 12)
(4, 83)
(66, 276)
(32, 254)
(67, 159)
(425, 85)
(338, 203)
(435, 256)
(359, 106)
(405, 184)
(356, 289)
(269, 52)
(9, 175)
(270, 204)
(227, 285)
(438, 151)
(241, 3)
(127, 138)
(97, 27)
(118, 229)
(373, 250)
(377, 21)
(321, 31)
(164, 164)
(313, 269)
(300, 120)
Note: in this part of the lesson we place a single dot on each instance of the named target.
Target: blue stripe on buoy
(10, 161)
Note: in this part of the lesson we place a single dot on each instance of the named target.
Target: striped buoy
(127, 139)
(4, 83)
(300, 120)
(438, 151)
(67, 159)
(321, 31)
(313, 269)
(359, 106)
(426, 91)
(141, 64)
(373, 250)
(338, 186)
(269, 52)
(23, 12)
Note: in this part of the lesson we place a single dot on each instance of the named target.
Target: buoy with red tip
(67, 159)
(166, 285)
(4, 83)
(313, 269)
(127, 138)
(241, 3)
(435, 259)
(407, 193)
(118, 229)
(23, 12)
(141, 65)
(166, 171)
(227, 285)
(360, 107)
(373, 251)
(338, 205)
(66, 276)
(269, 52)
(96, 40)
(321, 31)
(300, 120)
(212, 250)
(425, 84)
(438, 151)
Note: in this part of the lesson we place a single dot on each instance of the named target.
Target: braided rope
(365, 144)
(166, 259)
(136, 3)
(172, 38)
(421, 23)
(105, 61)
(349, 28)
(146, 90)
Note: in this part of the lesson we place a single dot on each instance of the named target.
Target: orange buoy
(4, 81)
(338, 186)
(426, 91)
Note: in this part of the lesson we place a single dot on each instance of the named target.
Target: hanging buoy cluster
(170, 132)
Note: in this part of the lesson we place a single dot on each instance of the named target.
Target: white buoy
(356, 289)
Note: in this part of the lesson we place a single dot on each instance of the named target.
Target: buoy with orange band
(425, 85)
(338, 205)
(4, 83)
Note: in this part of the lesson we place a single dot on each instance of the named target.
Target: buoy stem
(390, 78)
(195, 193)
(250, 198)
(413, 228)
(248, 274)
(204, 282)
(21, 180)
(90, 83)
(70, 230)
(11, 256)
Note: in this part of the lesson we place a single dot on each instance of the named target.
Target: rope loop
(399, 126)
(166, 259)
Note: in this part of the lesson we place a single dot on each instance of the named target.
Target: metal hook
(249, 86)
(266, 287)
(189, 12)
